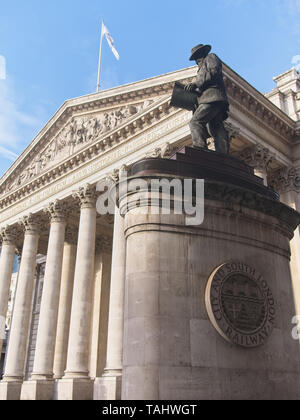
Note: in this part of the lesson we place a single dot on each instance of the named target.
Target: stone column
(65, 303)
(41, 385)
(8, 236)
(76, 383)
(10, 387)
(99, 327)
(108, 387)
(259, 158)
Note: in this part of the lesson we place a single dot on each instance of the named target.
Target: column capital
(285, 180)
(30, 224)
(117, 174)
(257, 156)
(56, 211)
(86, 196)
(232, 130)
(9, 235)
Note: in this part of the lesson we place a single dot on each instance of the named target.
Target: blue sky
(51, 50)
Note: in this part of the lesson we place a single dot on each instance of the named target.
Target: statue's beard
(200, 62)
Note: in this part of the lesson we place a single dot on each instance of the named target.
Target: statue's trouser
(212, 115)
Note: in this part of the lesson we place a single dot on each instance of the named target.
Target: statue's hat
(200, 51)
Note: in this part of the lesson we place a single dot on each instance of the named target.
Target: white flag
(110, 40)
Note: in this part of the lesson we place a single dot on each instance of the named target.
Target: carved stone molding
(285, 180)
(265, 112)
(56, 211)
(116, 174)
(288, 217)
(9, 235)
(165, 151)
(86, 196)
(113, 176)
(31, 224)
(257, 156)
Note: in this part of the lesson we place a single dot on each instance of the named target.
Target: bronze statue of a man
(213, 103)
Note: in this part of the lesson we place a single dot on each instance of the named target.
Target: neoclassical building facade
(65, 338)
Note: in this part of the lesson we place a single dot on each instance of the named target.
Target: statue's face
(200, 60)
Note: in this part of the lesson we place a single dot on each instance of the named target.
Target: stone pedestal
(37, 390)
(108, 387)
(171, 348)
(75, 389)
(10, 391)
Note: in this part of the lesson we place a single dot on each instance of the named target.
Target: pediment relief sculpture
(75, 135)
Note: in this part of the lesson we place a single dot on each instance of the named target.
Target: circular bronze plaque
(240, 304)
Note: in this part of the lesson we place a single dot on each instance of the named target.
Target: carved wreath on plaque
(240, 304)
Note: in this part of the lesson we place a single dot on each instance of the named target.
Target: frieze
(240, 304)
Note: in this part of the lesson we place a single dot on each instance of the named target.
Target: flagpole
(100, 53)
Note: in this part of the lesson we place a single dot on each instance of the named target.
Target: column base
(10, 391)
(37, 390)
(108, 388)
(75, 389)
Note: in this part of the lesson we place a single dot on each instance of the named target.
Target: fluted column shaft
(78, 347)
(6, 266)
(45, 345)
(65, 303)
(14, 369)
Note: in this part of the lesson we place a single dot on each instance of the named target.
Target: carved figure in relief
(81, 133)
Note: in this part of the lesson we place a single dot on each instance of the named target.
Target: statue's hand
(191, 87)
